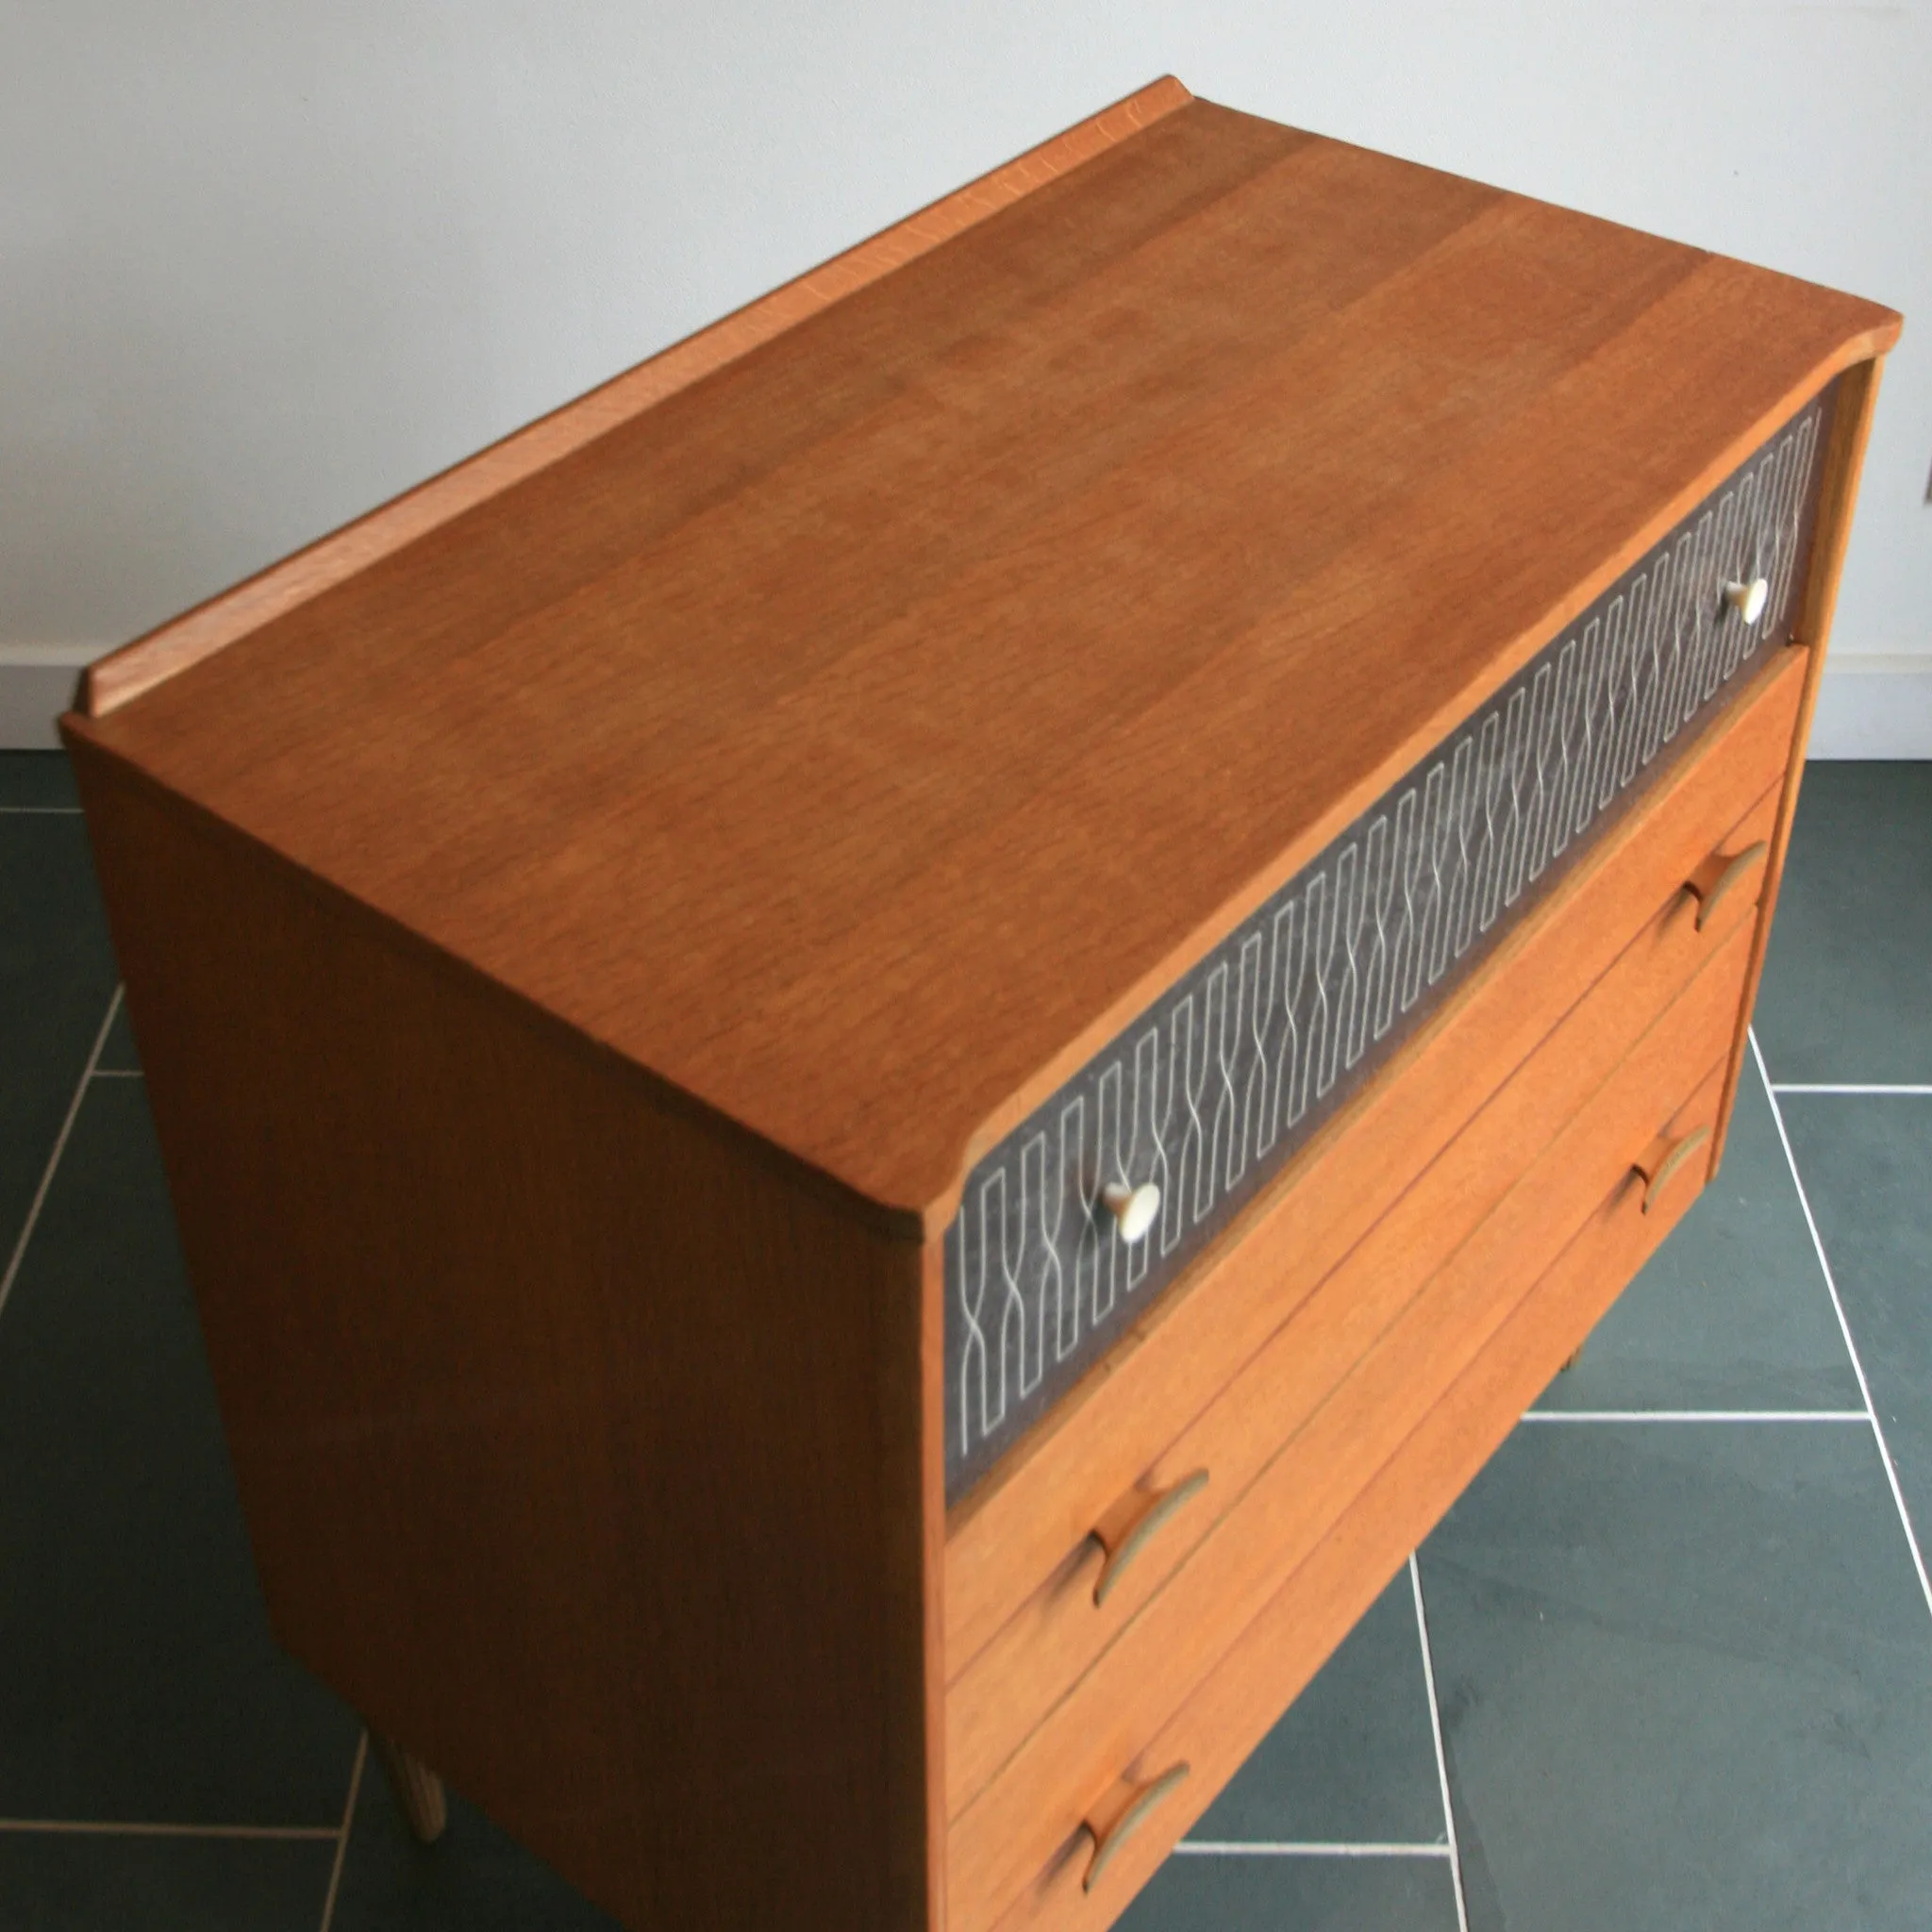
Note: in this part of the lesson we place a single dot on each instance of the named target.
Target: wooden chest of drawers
(882, 1056)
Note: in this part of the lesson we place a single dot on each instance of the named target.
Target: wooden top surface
(856, 720)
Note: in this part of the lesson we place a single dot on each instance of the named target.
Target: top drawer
(1096, 1202)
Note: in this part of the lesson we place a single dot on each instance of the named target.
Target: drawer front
(1204, 1097)
(1399, 1366)
(1243, 1696)
(1028, 1525)
(1098, 1587)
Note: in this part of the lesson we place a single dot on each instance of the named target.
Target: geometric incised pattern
(1207, 1092)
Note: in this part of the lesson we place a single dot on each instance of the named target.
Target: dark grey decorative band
(1208, 1091)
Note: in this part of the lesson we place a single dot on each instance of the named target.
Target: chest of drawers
(882, 1056)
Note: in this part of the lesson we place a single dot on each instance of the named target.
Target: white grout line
(1695, 1415)
(1422, 1627)
(1227, 1848)
(1898, 1495)
(335, 1871)
(92, 1828)
(33, 1212)
(1826, 1086)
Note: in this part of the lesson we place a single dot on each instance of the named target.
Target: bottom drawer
(1112, 1841)
(1023, 1820)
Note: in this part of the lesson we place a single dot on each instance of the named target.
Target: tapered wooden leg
(418, 1789)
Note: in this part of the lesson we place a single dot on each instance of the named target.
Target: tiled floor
(1667, 1664)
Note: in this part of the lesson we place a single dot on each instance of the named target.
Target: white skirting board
(1872, 706)
(37, 684)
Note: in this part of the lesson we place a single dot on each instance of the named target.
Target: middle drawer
(1011, 1536)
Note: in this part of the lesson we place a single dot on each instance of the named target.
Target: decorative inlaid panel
(1208, 1091)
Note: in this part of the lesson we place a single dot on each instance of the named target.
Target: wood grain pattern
(333, 560)
(1371, 1359)
(582, 921)
(1844, 462)
(1058, 1631)
(508, 1363)
(1285, 1645)
(1031, 1512)
(811, 737)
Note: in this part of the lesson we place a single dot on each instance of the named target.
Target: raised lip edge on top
(232, 615)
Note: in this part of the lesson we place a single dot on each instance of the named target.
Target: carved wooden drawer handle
(1122, 1554)
(1653, 1184)
(1709, 897)
(1109, 1842)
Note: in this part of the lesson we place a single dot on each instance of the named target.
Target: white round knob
(1135, 1210)
(1747, 600)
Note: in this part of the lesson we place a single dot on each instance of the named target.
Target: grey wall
(262, 266)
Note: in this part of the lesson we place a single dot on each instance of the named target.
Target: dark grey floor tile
(61, 1883)
(474, 1878)
(1867, 1167)
(1353, 1762)
(57, 975)
(37, 778)
(138, 1678)
(1732, 1311)
(1296, 1894)
(117, 1051)
(1844, 993)
(1685, 1679)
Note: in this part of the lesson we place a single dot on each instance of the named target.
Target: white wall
(263, 266)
